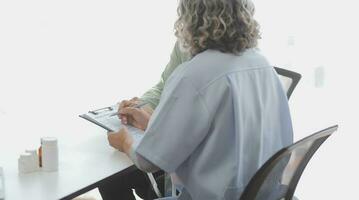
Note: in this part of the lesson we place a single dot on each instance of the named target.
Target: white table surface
(84, 156)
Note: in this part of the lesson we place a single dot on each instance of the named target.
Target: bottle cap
(31, 151)
(51, 141)
(25, 156)
(26, 163)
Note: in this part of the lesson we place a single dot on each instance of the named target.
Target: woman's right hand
(124, 104)
(137, 117)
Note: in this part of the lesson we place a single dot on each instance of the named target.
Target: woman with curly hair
(221, 114)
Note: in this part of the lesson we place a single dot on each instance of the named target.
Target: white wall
(306, 36)
(81, 54)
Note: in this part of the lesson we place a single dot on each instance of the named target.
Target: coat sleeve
(177, 127)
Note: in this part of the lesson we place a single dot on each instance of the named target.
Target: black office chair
(277, 179)
(289, 79)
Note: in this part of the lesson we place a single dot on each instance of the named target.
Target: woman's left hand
(120, 140)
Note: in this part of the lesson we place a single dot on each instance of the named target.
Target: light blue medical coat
(220, 117)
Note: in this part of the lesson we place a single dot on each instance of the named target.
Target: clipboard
(105, 118)
(101, 117)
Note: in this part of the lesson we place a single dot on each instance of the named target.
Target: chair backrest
(289, 79)
(279, 176)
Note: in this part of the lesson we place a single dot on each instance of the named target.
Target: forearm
(141, 162)
(129, 146)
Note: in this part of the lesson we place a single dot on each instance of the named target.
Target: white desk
(85, 158)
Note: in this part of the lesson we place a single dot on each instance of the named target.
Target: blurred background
(66, 57)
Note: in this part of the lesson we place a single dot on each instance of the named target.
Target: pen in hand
(136, 106)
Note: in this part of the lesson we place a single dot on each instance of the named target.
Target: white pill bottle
(50, 154)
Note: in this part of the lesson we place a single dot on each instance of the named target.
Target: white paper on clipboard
(104, 118)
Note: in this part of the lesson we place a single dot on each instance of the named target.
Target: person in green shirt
(121, 189)
(152, 96)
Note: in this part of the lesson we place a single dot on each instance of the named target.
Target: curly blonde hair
(224, 25)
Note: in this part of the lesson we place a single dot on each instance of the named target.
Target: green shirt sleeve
(153, 95)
